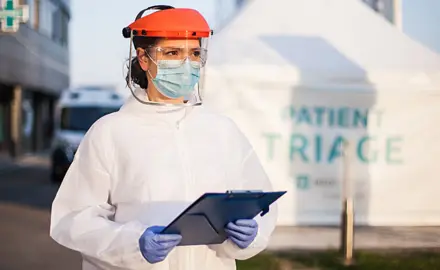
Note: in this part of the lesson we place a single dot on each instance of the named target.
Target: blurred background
(315, 73)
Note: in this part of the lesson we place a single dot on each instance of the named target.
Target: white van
(76, 111)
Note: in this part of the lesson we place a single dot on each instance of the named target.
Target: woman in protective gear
(138, 168)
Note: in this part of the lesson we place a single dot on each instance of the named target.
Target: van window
(82, 118)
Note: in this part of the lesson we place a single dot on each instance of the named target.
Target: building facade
(34, 69)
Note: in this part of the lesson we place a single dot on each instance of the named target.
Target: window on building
(56, 26)
(49, 19)
(64, 29)
(32, 22)
(47, 10)
(60, 27)
(30, 3)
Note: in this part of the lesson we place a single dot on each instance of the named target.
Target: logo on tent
(302, 182)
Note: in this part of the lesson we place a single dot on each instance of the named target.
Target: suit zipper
(181, 145)
(188, 181)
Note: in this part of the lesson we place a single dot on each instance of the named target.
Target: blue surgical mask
(174, 79)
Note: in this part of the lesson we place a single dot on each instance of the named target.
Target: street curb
(8, 166)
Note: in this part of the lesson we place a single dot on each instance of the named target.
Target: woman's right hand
(155, 247)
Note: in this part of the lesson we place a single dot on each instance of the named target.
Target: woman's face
(166, 49)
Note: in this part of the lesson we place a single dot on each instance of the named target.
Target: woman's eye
(196, 53)
(171, 53)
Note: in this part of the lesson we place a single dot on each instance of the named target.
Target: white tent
(302, 76)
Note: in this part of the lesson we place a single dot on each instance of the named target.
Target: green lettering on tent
(304, 116)
(343, 115)
(271, 137)
(335, 150)
(298, 144)
(319, 111)
(318, 148)
(302, 182)
(331, 117)
(392, 149)
(362, 148)
(360, 118)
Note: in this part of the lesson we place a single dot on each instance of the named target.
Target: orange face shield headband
(169, 22)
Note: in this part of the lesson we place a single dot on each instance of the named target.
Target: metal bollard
(347, 214)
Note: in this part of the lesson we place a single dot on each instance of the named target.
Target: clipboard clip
(242, 191)
(232, 192)
(264, 211)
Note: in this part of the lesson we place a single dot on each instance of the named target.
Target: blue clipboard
(203, 222)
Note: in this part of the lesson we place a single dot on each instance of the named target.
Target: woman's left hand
(242, 232)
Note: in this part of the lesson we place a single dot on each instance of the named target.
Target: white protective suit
(142, 166)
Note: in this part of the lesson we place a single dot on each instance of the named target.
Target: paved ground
(6, 165)
(25, 198)
(26, 195)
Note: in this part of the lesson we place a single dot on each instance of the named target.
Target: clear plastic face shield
(167, 71)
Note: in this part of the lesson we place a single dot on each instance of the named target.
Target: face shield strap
(157, 7)
(146, 101)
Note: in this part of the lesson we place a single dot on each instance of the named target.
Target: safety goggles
(173, 57)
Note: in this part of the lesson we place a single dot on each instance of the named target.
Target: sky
(422, 21)
(98, 52)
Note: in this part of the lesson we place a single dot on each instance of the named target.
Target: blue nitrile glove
(242, 232)
(154, 246)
